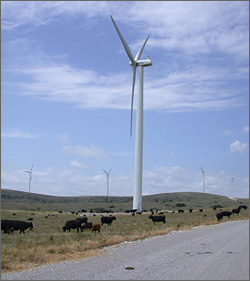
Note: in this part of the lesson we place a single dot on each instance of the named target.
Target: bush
(217, 206)
(180, 205)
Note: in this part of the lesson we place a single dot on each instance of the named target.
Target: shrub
(217, 206)
(180, 205)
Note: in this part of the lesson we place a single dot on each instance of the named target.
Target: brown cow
(96, 227)
(87, 225)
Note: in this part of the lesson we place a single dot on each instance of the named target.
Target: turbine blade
(31, 167)
(104, 171)
(124, 43)
(138, 55)
(132, 99)
(26, 171)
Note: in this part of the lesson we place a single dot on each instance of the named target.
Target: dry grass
(49, 244)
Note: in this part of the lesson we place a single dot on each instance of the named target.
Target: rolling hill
(19, 200)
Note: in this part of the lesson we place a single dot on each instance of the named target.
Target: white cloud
(91, 151)
(189, 90)
(18, 134)
(187, 26)
(182, 27)
(237, 146)
(76, 164)
(227, 132)
(246, 129)
(156, 180)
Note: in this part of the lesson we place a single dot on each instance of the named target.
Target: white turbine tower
(107, 173)
(203, 178)
(232, 179)
(30, 172)
(134, 62)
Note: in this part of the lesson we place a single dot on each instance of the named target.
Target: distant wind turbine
(134, 62)
(232, 179)
(107, 173)
(30, 172)
(203, 177)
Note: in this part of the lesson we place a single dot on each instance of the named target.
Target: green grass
(49, 244)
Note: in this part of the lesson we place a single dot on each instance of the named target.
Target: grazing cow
(72, 224)
(87, 225)
(6, 226)
(82, 220)
(107, 220)
(243, 207)
(222, 214)
(157, 218)
(226, 213)
(219, 216)
(180, 211)
(11, 225)
(190, 210)
(236, 211)
(96, 227)
(201, 210)
(30, 219)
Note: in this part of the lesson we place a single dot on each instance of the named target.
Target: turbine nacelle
(145, 63)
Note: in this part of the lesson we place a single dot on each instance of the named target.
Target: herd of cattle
(9, 226)
(222, 214)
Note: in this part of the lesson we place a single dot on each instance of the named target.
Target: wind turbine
(203, 177)
(107, 173)
(232, 179)
(134, 62)
(30, 172)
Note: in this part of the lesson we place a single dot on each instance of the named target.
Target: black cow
(11, 225)
(222, 214)
(219, 216)
(6, 226)
(243, 207)
(87, 225)
(72, 224)
(107, 220)
(82, 220)
(236, 211)
(180, 211)
(201, 210)
(157, 218)
(226, 213)
(190, 210)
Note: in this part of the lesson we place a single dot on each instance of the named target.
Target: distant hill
(19, 200)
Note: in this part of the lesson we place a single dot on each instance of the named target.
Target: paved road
(219, 252)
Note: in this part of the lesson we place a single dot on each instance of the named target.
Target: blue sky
(66, 94)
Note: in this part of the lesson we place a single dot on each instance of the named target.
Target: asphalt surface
(219, 252)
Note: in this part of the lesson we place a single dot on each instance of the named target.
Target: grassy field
(49, 244)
